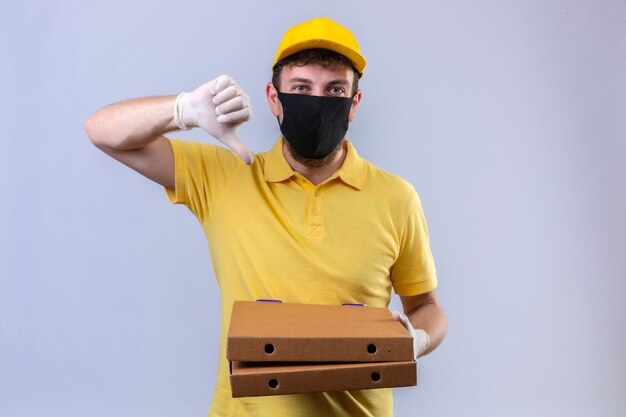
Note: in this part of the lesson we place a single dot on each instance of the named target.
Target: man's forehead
(314, 72)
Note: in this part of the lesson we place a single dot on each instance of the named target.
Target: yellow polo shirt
(273, 234)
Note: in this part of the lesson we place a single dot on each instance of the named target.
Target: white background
(507, 116)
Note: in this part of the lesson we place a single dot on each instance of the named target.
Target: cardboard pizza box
(283, 332)
(248, 379)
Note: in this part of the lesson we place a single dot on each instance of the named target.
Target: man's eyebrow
(308, 81)
(300, 80)
(339, 82)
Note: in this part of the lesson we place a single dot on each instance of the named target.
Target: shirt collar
(276, 167)
(353, 171)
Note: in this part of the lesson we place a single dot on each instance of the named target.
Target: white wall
(507, 116)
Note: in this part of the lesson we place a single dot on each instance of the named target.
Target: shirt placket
(315, 229)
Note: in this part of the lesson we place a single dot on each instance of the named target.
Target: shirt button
(317, 193)
(315, 213)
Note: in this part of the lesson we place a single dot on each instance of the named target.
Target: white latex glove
(421, 340)
(219, 107)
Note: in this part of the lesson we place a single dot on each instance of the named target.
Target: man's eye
(337, 90)
(299, 88)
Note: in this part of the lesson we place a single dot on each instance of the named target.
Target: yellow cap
(321, 33)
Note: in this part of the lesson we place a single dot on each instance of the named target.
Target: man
(308, 221)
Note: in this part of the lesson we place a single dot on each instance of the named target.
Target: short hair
(324, 57)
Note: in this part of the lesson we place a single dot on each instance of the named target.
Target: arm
(132, 131)
(424, 312)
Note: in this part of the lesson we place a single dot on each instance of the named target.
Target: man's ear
(272, 99)
(355, 103)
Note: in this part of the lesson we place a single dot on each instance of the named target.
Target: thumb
(402, 318)
(233, 141)
(421, 340)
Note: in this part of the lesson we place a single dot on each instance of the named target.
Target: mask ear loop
(281, 105)
(278, 98)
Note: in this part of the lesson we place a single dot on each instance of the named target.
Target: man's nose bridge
(317, 90)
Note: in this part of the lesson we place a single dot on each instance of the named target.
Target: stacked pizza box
(277, 348)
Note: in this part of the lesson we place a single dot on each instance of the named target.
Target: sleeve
(414, 272)
(202, 173)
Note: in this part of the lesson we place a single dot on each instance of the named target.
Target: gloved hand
(421, 340)
(219, 107)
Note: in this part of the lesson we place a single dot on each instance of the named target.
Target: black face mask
(314, 125)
